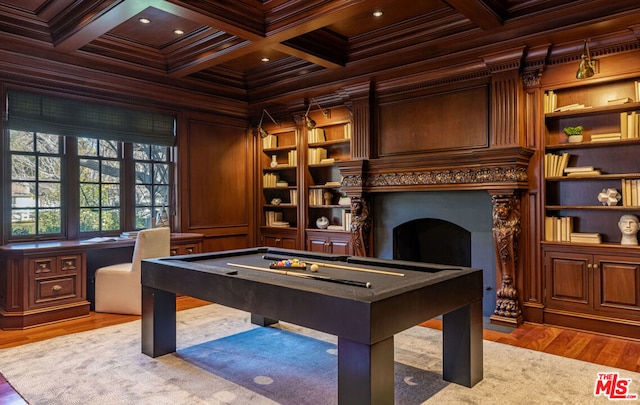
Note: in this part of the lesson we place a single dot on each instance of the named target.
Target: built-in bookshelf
(588, 186)
(327, 145)
(280, 179)
(576, 173)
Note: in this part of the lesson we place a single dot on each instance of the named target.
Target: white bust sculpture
(629, 226)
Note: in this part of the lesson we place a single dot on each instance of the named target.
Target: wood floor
(598, 349)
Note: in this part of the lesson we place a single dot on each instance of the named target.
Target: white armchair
(118, 288)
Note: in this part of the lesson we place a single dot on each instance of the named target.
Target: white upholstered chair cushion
(118, 288)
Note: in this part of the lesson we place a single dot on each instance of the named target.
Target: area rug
(223, 359)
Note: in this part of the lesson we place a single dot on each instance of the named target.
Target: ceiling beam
(89, 29)
(479, 12)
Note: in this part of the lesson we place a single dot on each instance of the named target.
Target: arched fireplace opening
(432, 240)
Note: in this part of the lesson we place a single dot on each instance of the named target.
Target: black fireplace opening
(432, 240)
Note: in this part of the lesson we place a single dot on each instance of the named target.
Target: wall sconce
(308, 121)
(587, 66)
(261, 131)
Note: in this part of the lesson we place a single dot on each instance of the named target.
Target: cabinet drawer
(51, 289)
(69, 264)
(42, 266)
(184, 250)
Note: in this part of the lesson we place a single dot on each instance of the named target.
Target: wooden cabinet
(44, 282)
(600, 281)
(284, 238)
(55, 279)
(329, 242)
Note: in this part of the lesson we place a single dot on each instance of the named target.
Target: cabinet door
(279, 241)
(317, 245)
(617, 285)
(568, 280)
(341, 247)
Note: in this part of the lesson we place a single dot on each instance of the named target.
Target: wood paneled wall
(216, 196)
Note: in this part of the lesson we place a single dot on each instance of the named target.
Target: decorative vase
(575, 138)
(322, 222)
(274, 161)
(344, 200)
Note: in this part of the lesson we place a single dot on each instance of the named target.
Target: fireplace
(448, 227)
(432, 240)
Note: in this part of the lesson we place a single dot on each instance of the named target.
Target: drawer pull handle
(56, 288)
(69, 263)
(189, 250)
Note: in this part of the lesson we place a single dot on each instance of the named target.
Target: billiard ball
(314, 267)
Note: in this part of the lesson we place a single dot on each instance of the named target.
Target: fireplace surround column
(506, 232)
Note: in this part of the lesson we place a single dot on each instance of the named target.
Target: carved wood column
(506, 233)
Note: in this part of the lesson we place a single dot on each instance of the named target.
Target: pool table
(362, 301)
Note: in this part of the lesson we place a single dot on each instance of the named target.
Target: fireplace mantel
(487, 169)
(502, 172)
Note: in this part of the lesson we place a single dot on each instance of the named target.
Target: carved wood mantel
(502, 172)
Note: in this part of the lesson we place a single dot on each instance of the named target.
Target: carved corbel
(360, 225)
(506, 232)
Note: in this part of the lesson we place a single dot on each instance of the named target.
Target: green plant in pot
(574, 133)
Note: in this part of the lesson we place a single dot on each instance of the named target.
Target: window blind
(62, 116)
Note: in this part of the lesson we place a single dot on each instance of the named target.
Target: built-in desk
(45, 282)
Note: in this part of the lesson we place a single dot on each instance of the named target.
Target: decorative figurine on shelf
(274, 161)
(327, 196)
(322, 222)
(629, 226)
(574, 133)
(609, 196)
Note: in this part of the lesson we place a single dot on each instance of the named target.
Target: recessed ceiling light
(378, 13)
(144, 20)
(178, 32)
(265, 59)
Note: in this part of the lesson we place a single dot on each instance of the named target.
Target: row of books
(346, 220)
(270, 180)
(316, 155)
(629, 125)
(560, 229)
(319, 135)
(630, 192)
(554, 165)
(274, 218)
(316, 197)
(551, 102)
(269, 141)
(292, 158)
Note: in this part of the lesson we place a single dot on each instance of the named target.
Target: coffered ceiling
(224, 43)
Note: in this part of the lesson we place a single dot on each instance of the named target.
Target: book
(576, 169)
(585, 174)
(570, 107)
(585, 237)
(619, 101)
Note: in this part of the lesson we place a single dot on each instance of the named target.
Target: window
(36, 183)
(79, 168)
(100, 163)
(152, 183)
(40, 185)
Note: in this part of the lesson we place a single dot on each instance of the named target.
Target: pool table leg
(365, 372)
(158, 322)
(262, 320)
(462, 345)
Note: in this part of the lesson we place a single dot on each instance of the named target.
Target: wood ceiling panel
(159, 32)
(309, 42)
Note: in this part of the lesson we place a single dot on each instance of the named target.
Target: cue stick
(338, 266)
(355, 283)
